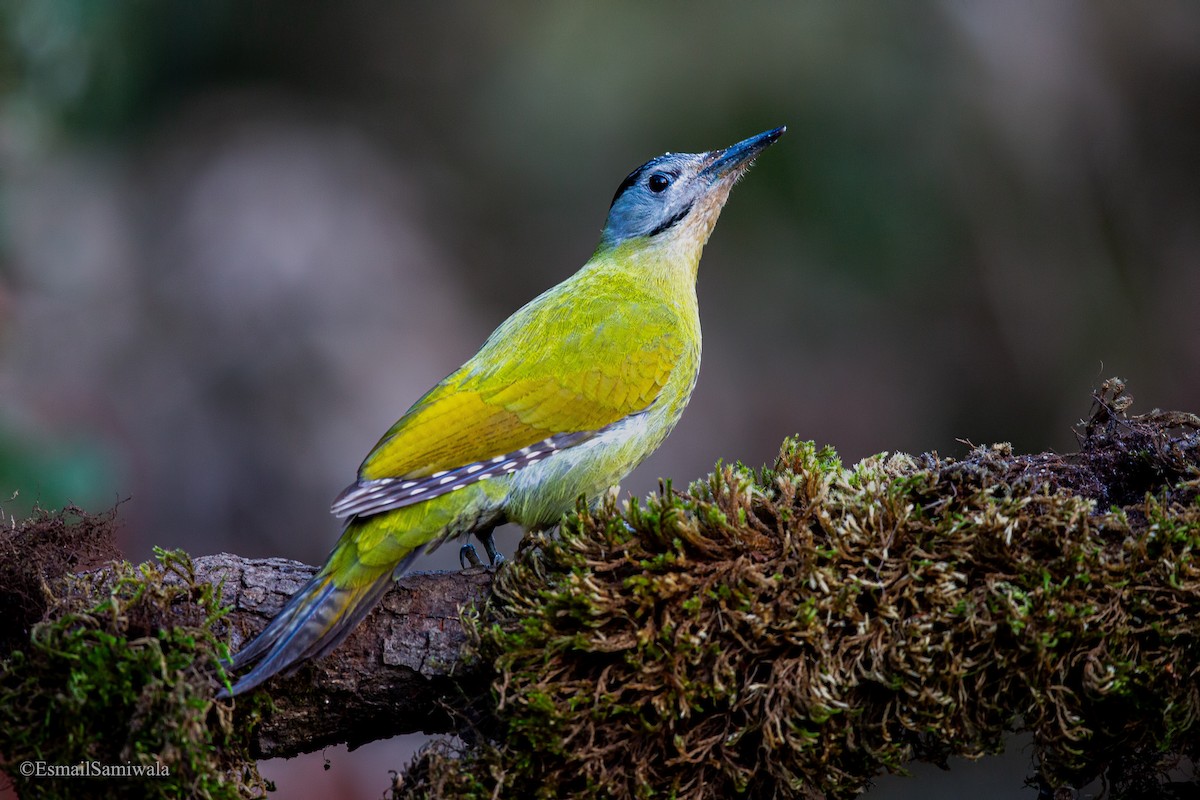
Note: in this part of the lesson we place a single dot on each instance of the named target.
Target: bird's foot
(495, 559)
(467, 557)
(467, 554)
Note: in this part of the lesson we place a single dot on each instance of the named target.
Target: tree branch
(801, 627)
(392, 675)
(399, 672)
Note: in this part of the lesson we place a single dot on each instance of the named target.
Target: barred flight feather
(375, 496)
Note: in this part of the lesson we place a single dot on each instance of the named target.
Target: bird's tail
(315, 620)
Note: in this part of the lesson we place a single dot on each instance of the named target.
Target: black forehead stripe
(683, 212)
(636, 175)
(630, 180)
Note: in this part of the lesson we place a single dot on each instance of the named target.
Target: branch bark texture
(399, 672)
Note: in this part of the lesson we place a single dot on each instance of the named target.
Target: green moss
(795, 631)
(119, 673)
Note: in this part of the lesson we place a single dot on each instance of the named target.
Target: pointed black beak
(737, 157)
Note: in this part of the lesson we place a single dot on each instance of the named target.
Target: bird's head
(675, 199)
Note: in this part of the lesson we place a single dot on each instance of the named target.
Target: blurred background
(237, 241)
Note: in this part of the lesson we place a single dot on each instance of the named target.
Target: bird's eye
(658, 182)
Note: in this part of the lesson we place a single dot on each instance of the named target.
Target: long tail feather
(315, 620)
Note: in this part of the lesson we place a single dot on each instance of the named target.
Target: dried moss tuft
(792, 632)
(118, 673)
(39, 551)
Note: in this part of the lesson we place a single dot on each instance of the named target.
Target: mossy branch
(794, 631)
(785, 632)
(397, 663)
(122, 668)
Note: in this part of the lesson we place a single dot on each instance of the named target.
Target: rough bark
(399, 672)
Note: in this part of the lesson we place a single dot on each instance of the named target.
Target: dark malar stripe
(683, 212)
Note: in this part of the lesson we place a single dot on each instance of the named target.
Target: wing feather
(559, 366)
(386, 494)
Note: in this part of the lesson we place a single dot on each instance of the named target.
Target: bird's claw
(489, 546)
(466, 554)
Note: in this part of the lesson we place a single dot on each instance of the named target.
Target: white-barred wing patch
(387, 494)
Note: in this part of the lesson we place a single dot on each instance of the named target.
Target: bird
(562, 401)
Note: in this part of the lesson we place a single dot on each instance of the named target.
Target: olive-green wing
(550, 377)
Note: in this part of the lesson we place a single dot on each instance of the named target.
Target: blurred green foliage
(88, 69)
(53, 473)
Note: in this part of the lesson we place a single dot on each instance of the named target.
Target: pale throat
(673, 258)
